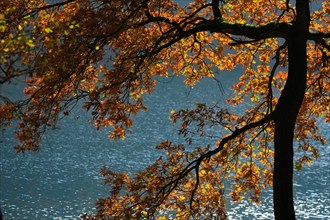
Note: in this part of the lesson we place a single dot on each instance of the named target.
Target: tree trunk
(286, 112)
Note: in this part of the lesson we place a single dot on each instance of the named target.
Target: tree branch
(35, 10)
(319, 38)
(216, 11)
(270, 30)
(236, 133)
(272, 73)
(195, 164)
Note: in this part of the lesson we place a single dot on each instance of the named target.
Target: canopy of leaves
(107, 53)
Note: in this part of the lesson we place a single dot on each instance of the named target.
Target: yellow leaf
(30, 43)
(182, 198)
(48, 30)
(208, 186)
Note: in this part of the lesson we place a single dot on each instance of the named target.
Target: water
(62, 180)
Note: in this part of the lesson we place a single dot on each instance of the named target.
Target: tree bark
(286, 112)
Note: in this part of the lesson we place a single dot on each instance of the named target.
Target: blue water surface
(62, 180)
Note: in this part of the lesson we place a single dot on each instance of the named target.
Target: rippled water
(62, 181)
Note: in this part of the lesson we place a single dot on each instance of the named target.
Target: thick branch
(216, 10)
(270, 30)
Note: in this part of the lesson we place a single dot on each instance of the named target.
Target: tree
(107, 54)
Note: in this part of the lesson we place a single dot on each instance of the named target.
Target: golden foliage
(107, 54)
